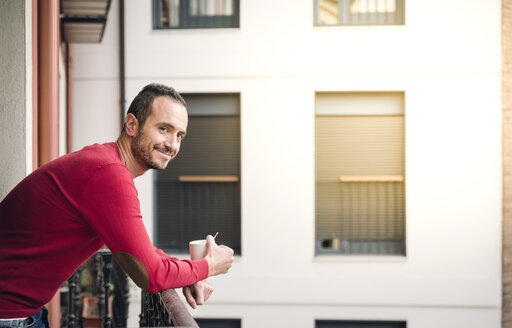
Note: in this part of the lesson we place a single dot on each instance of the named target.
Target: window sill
(359, 258)
(184, 256)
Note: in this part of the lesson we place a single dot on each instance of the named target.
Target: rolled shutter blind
(364, 145)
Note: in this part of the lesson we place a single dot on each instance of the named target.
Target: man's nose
(171, 142)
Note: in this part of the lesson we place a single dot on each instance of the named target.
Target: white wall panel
(446, 60)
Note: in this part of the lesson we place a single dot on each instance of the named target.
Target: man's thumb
(210, 241)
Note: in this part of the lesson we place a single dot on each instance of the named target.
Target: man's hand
(219, 258)
(198, 293)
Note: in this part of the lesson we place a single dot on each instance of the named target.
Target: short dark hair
(141, 104)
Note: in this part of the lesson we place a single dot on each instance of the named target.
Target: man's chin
(160, 166)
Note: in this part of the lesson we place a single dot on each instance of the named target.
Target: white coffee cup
(197, 249)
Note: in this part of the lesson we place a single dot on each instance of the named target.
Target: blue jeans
(38, 320)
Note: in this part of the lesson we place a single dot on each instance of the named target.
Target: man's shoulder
(101, 154)
(88, 158)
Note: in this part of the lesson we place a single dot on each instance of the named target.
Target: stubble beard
(142, 151)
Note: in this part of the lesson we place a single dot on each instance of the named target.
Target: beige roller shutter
(359, 145)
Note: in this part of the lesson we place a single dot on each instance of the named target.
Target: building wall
(447, 61)
(507, 163)
(96, 109)
(16, 86)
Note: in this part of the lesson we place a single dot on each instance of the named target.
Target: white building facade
(444, 61)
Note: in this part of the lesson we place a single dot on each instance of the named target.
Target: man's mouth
(164, 151)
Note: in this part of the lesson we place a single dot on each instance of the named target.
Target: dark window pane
(181, 14)
(359, 324)
(199, 192)
(219, 323)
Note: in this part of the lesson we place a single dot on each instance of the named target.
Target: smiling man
(159, 138)
(66, 210)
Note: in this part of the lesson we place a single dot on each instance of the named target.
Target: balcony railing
(98, 308)
(164, 309)
(90, 309)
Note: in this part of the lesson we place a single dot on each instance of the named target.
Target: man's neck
(125, 150)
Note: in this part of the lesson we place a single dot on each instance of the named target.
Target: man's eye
(163, 129)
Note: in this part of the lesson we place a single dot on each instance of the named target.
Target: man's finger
(209, 292)
(210, 240)
(199, 291)
(187, 291)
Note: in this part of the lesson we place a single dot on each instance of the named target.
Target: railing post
(103, 274)
(143, 319)
(106, 259)
(121, 296)
(96, 275)
(73, 312)
(71, 309)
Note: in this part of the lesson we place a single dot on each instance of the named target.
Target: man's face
(159, 140)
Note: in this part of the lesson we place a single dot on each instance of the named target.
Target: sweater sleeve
(162, 253)
(111, 207)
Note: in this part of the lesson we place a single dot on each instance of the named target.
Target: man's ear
(131, 124)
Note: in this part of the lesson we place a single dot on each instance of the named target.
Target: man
(69, 208)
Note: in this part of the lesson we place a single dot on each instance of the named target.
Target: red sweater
(61, 214)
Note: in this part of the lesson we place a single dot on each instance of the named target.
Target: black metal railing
(73, 305)
(86, 299)
(121, 296)
(92, 306)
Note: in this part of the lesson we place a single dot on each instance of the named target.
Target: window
(359, 324)
(360, 165)
(218, 323)
(183, 14)
(199, 191)
(359, 12)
